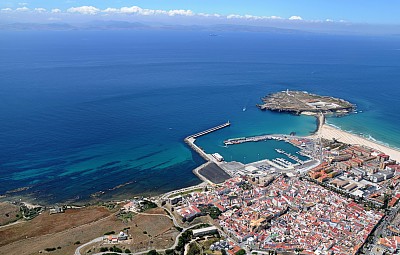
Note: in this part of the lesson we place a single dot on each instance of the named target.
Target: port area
(216, 170)
(299, 102)
(210, 172)
(305, 160)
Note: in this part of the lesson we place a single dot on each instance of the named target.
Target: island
(299, 102)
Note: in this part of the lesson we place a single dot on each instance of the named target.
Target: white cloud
(147, 12)
(40, 10)
(23, 4)
(22, 9)
(111, 10)
(130, 10)
(180, 12)
(88, 10)
(252, 17)
(136, 10)
(216, 15)
(295, 18)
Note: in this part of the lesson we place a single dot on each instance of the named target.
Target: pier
(256, 139)
(293, 157)
(227, 124)
(210, 171)
(192, 138)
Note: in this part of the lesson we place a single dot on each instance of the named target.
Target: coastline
(327, 131)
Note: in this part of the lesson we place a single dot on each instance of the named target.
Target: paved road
(78, 250)
(168, 194)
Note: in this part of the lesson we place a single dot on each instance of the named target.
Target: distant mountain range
(124, 25)
(280, 28)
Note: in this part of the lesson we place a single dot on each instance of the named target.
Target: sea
(99, 115)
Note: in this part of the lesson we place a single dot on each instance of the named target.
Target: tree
(169, 252)
(153, 252)
(127, 251)
(193, 249)
(240, 252)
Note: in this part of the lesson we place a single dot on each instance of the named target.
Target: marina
(289, 155)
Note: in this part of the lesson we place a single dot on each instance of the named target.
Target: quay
(293, 157)
(192, 138)
(227, 124)
(256, 139)
(209, 172)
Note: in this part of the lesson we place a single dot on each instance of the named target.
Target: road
(382, 228)
(77, 251)
(171, 193)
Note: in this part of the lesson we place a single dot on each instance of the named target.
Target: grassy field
(58, 230)
(8, 213)
(146, 231)
(66, 231)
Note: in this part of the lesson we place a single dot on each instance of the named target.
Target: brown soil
(48, 224)
(83, 225)
(65, 239)
(146, 232)
(8, 213)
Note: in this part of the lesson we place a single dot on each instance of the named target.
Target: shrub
(115, 249)
(77, 242)
(153, 252)
(50, 249)
(240, 252)
(127, 251)
(103, 249)
(169, 252)
(109, 233)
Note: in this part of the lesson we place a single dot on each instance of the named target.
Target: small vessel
(244, 109)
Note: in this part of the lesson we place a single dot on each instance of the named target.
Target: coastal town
(331, 197)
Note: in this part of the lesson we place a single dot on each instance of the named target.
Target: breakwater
(210, 130)
(192, 138)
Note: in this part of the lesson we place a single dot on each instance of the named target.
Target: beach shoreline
(330, 132)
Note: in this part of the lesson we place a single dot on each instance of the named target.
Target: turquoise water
(88, 111)
(256, 122)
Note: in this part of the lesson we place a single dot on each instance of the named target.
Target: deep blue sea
(82, 112)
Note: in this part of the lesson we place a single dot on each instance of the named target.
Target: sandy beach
(330, 132)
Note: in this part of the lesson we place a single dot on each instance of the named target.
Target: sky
(380, 15)
(358, 11)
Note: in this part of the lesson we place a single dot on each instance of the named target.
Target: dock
(227, 124)
(192, 138)
(256, 139)
(210, 171)
(293, 157)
